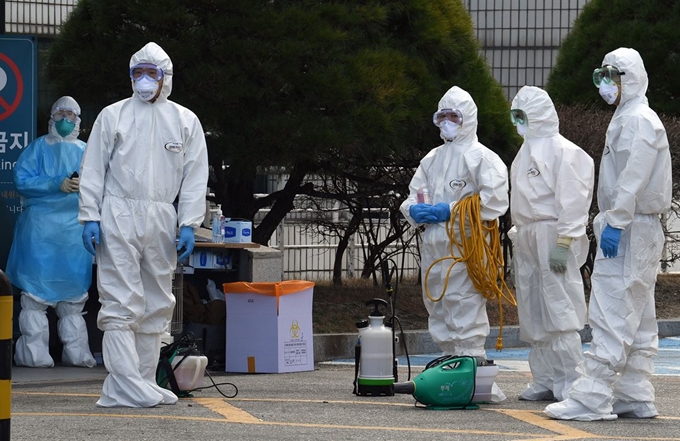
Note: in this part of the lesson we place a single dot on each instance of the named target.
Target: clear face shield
(453, 115)
(608, 75)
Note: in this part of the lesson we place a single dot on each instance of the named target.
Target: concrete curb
(333, 346)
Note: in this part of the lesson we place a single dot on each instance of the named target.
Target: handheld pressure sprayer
(181, 368)
(376, 366)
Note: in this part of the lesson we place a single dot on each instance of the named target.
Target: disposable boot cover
(635, 409)
(73, 334)
(32, 348)
(149, 349)
(571, 409)
(536, 392)
(565, 356)
(541, 385)
(497, 394)
(634, 382)
(124, 386)
(594, 393)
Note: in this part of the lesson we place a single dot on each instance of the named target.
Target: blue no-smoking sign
(18, 109)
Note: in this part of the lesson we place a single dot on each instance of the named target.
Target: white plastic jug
(189, 373)
(484, 379)
(376, 350)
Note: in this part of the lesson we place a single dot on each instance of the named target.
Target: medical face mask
(64, 127)
(449, 130)
(146, 88)
(609, 91)
(522, 129)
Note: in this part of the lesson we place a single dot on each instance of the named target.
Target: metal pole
(6, 308)
(3, 18)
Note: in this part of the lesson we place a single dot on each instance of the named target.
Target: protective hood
(540, 111)
(457, 98)
(634, 81)
(154, 54)
(63, 103)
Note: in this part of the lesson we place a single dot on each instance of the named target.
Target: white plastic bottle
(217, 235)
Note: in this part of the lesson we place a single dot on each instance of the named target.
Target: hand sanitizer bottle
(217, 235)
(423, 196)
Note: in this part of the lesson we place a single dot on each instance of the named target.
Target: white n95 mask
(449, 130)
(609, 91)
(522, 129)
(146, 88)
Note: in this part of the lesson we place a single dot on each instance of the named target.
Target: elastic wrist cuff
(562, 240)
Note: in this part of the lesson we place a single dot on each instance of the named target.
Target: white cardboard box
(238, 231)
(269, 327)
(205, 259)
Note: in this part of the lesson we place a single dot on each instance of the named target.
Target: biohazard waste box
(269, 327)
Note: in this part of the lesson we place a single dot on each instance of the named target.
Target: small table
(226, 245)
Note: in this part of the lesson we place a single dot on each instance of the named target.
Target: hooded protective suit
(552, 182)
(140, 156)
(634, 188)
(47, 261)
(451, 172)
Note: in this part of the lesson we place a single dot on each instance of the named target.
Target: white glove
(70, 185)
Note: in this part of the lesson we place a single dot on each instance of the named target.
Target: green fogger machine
(452, 382)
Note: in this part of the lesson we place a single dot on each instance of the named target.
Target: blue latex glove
(422, 214)
(442, 212)
(609, 241)
(91, 231)
(186, 240)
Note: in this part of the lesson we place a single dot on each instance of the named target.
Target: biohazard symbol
(294, 329)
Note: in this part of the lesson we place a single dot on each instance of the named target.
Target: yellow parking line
(231, 413)
(532, 417)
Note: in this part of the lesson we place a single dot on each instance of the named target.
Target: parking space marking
(231, 413)
(537, 419)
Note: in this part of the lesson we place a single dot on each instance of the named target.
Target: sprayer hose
(480, 251)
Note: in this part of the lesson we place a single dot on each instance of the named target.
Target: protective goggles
(518, 117)
(60, 114)
(452, 115)
(607, 74)
(150, 70)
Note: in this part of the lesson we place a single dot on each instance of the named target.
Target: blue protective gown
(48, 258)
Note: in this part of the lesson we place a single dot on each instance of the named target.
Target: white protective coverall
(140, 156)
(552, 182)
(634, 188)
(47, 261)
(451, 172)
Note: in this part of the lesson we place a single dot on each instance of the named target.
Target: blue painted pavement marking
(667, 361)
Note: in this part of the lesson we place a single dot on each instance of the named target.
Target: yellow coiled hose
(480, 251)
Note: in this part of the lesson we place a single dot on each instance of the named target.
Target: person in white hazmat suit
(634, 188)
(459, 168)
(47, 261)
(143, 152)
(551, 181)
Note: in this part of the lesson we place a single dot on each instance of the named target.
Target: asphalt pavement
(59, 404)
